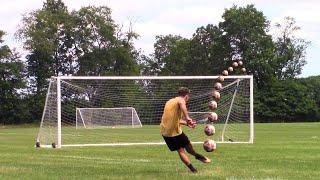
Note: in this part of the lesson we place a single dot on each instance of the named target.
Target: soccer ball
(216, 95)
(230, 69)
(225, 73)
(212, 117)
(243, 70)
(240, 63)
(209, 130)
(209, 145)
(235, 64)
(213, 105)
(220, 79)
(217, 86)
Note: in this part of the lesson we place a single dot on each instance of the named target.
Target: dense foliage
(88, 42)
(289, 101)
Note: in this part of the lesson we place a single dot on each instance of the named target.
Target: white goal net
(97, 111)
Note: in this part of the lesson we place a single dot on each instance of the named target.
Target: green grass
(280, 151)
(151, 133)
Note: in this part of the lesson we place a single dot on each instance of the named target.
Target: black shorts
(176, 142)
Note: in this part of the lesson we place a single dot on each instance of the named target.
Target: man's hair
(183, 91)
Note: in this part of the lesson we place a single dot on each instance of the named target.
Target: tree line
(88, 42)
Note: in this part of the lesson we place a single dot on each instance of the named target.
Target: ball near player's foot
(209, 145)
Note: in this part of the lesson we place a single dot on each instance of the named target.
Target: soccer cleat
(203, 159)
(194, 171)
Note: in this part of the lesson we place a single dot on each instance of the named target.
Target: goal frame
(60, 78)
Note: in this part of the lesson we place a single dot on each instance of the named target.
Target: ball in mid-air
(217, 86)
(243, 70)
(209, 145)
(216, 95)
(240, 63)
(220, 79)
(209, 130)
(225, 73)
(230, 69)
(213, 105)
(235, 64)
(213, 117)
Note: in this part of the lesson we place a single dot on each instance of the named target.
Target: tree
(163, 48)
(83, 42)
(313, 85)
(175, 55)
(245, 29)
(208, 50)
(287, 100)
(101, 47)
(177, 62)
(11, 83)
(47, 35)
(289, 50)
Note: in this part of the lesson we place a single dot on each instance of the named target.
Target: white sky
(180, 17)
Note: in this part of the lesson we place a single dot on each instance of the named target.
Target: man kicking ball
(174, 115)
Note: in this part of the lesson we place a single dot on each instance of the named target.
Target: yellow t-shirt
(170, 121)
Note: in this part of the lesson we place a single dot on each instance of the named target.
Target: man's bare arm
(183, 107)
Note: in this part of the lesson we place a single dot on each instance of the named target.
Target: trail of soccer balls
(209, 145)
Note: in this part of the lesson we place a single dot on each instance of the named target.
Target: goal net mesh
(102, 110)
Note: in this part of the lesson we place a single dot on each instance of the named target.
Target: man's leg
(185, 159)
(200, 157)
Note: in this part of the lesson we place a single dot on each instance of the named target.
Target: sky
(179, 17)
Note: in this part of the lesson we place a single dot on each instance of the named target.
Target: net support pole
(132, 117)
(229, 111)
(59, 111)
(251, 111)
(76, 118)
(45, 108)
(78, 110)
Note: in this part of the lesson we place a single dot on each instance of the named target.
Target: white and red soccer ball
(230, 69)
(225, 73)
(235, 64)
(209, 145)
(212, 117)
(220, 79)
(217, 86)
(209, 130)
(213, 105)
(216, 95)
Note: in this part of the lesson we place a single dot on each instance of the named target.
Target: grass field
(280, 151)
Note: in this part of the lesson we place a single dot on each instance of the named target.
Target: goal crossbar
(151, 77)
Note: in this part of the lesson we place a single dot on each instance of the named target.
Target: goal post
(106, 110)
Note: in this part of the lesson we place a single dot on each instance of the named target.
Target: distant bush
(289, 101)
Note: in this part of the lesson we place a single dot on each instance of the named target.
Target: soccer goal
(109, 111)
(107, 117)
